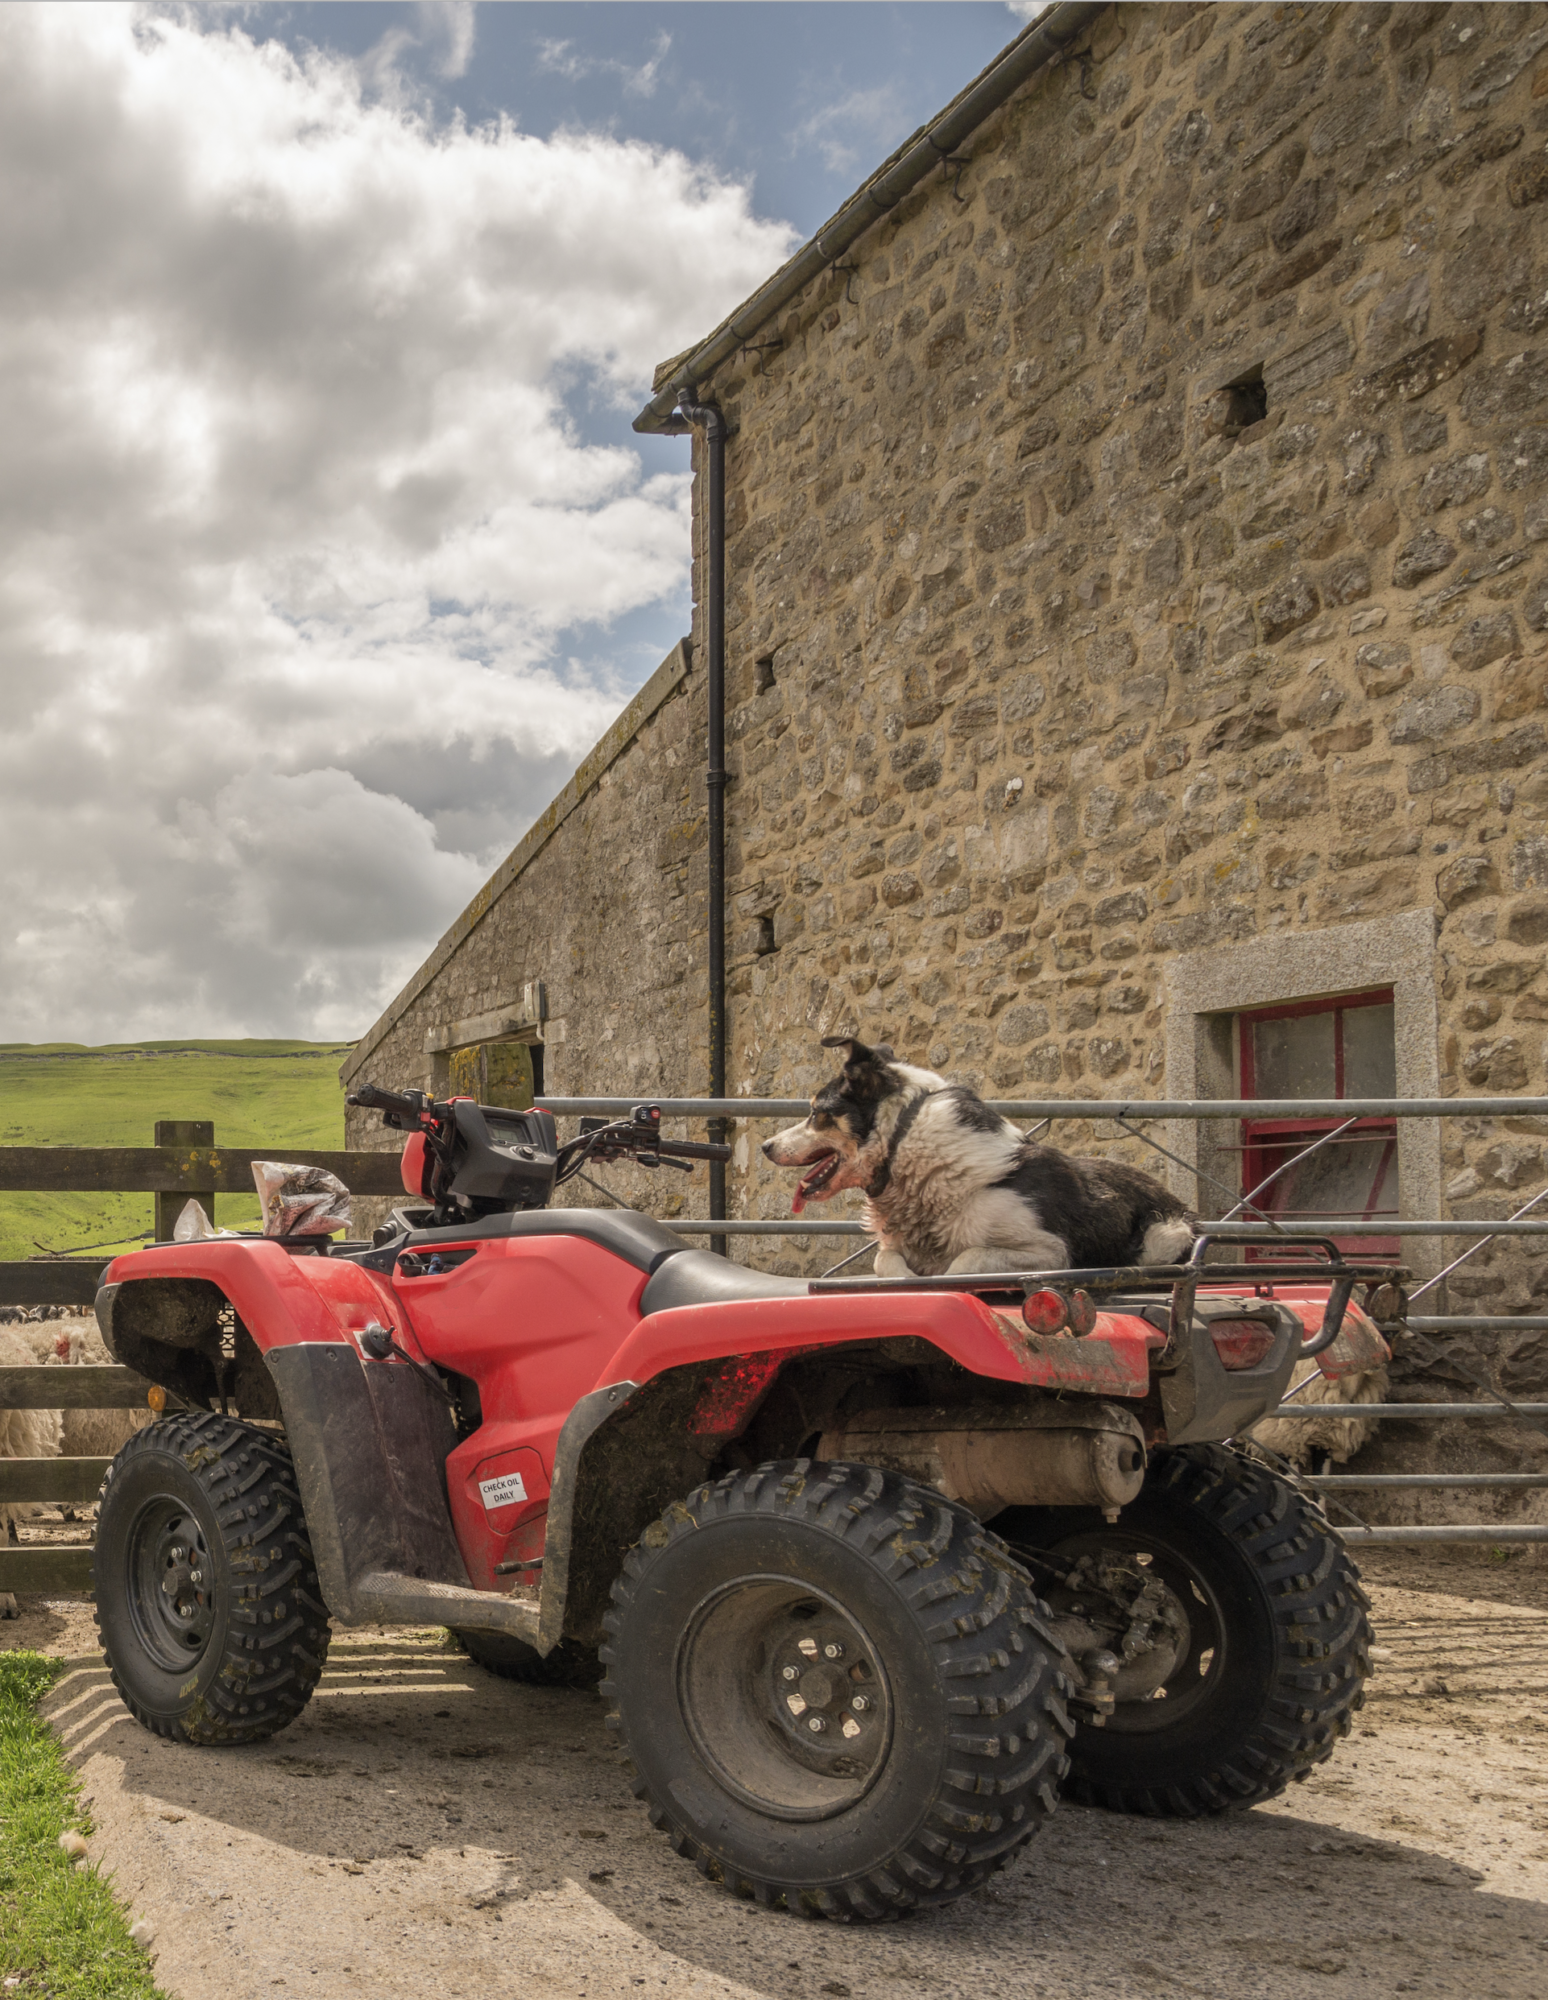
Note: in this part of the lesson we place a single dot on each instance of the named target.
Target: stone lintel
(500, 1026)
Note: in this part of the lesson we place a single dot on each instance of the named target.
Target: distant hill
(257, 1093)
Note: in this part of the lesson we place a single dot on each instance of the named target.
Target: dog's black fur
(945, 1176)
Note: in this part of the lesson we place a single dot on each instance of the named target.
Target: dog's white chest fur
(941, 1210)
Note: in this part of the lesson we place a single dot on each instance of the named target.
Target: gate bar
(1485, 1412)
(1396, 1537)
(1379, 1482)
(1089, 1107)
(1224, 1231)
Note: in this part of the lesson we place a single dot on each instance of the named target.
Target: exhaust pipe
(989, 1457)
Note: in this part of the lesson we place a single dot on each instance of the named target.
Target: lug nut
(816, 1724)
(791, 1673)
(860, 1704)
(833, 1652)
(196, 1576)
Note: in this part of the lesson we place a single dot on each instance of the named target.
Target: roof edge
(604, 753)
(1037, 45)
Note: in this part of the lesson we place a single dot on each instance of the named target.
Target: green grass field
(272, 1094)
(61, 1931)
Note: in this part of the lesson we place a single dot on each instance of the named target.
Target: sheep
(90, 1433)
(1334, 1439)
(23, 1434)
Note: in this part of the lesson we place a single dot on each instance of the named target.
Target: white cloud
(849, 130)
(563, 58)
(290, 510)
(450, 27)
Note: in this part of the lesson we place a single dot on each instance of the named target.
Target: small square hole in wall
(765, 942)
(763, 680)
(1237, 405)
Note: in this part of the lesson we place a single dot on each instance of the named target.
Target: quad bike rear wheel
(835, 1690)
(1257, 1628)
(207, 1606)
(568, 1665)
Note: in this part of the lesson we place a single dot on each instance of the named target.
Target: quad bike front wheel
(1236, 1620)
(208, 1608)
(835, 1690)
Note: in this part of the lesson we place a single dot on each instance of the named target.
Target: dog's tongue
(798, 1199)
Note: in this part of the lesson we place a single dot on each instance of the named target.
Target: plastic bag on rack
(194, 1226)
(300, 1201)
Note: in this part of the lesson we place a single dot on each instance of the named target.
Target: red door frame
(1260, 1135)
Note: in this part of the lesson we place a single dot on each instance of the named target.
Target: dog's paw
(892, 1264)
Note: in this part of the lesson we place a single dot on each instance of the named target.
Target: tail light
(1241, 1343)
(1046, 1312)
(1052, 1312)
(1083, 1314)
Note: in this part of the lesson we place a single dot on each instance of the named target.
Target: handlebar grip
(372, 1099)
(693, 1149)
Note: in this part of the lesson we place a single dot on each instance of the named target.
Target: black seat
(699, 1278)
(638, 1239)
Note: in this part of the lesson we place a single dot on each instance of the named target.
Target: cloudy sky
(327, 546)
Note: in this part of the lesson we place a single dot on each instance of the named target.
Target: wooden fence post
(183, 1132)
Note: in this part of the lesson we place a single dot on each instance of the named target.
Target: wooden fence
(184, 1164)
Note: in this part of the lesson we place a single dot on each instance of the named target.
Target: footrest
(387, 1598)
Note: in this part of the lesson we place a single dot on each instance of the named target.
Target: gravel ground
(425, 1827)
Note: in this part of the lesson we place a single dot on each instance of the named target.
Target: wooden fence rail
(178, 1169)
(173, 1173)
(184, 1164)
(105, 1388)
(58, 1481)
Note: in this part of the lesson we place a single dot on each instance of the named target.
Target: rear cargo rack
(1182, 1281)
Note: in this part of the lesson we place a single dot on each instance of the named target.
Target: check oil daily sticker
(501, 1492)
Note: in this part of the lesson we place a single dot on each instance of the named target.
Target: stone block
(1526, 921)
(1424, 554)
(1293, 604)
(1384, 666)
(1467, 877)
(1306, 367)
(1427, 717)
(1488, 637)
(1416, 373)
(1453, 483)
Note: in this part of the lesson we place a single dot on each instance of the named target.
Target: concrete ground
(426, 1828)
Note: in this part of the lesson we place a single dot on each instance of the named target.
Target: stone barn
(1134, 539)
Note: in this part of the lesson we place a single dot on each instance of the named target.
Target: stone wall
(1142, 550)
(603, 902)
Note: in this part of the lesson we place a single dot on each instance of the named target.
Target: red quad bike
(875, 1568)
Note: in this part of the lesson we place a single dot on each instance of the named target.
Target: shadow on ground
(423, 1816)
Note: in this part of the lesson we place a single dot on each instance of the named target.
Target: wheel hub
(1141, 1615)
(170, 1601)
(825, 1686)
(785, 1698)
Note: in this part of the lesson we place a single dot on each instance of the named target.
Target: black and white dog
(952, 1186)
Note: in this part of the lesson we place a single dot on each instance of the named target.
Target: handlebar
(691, 1149)
(390, 1101)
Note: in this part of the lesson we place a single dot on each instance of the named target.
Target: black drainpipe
(706, 417)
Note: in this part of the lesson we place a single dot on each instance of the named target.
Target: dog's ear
(857, 1055)
(864, 1068)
